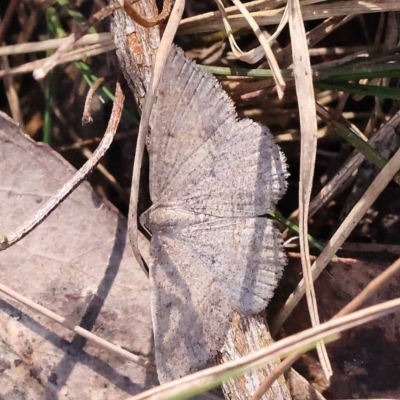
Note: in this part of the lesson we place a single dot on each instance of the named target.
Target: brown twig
(136, 48)
(87, 109)
(147, 22)
(75, 181)
(87, 153)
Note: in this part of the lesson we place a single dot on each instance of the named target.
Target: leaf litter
(272, 111)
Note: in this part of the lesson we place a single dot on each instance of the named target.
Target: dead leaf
(78, 264)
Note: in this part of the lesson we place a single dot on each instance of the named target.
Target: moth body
(211, 177)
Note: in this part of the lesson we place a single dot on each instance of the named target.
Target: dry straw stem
(279, 370)
(310, 11)
(334, 185)
(142, 361)
(53, 44)
(308, 152)
(316, 34)
(52, 61)
(75, 181)
(371, 289)
(162, 54)
(251, 56)
(77, 54)
(254, 55)
(353, 136)
(264, 41)
(285, 56)
(95, 140)
(208, 21)
(303, 341)
(355, 215)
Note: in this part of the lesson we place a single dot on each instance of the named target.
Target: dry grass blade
(285, 56)
(249, 57)
(53, 44)
(310, 12)
(52, 61)
(280, 369)
(354, 137)
(355, 215)
(162, 54)
(308, 152)
(280, 83)
(303, 341)
(251, 5)
(77, 54)
(329, 190)
(282, 24)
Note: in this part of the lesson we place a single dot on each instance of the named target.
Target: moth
(211, 177)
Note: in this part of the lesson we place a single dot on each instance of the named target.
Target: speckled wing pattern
(211, 176)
